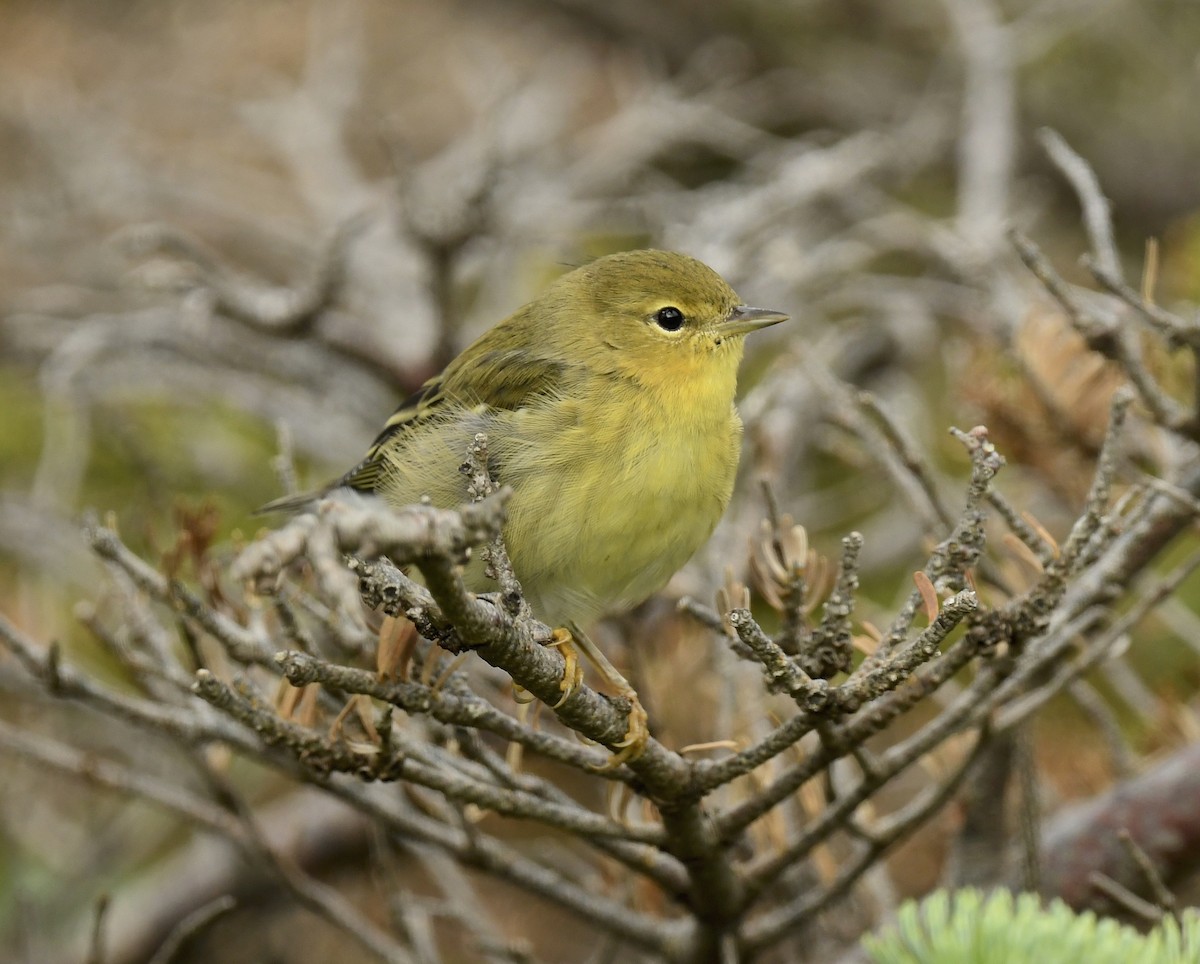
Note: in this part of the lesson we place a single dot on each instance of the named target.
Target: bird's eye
(669, 318)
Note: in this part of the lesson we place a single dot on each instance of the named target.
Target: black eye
(669, 318)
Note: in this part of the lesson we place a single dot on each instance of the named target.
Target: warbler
(608, 404)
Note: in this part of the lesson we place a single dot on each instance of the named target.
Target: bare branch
(190, 926)
(1097, 213)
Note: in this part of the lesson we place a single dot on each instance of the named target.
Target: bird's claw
(638, 732)
(636, 736)
(572, 670)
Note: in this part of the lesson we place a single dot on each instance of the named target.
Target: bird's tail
(291, 504)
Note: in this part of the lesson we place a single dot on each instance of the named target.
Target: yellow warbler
(608, 407)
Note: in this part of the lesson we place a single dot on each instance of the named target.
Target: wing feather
(499, 380)
(490, 374)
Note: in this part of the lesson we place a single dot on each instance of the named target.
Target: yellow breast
(611, 500)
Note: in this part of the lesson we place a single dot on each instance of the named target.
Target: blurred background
(232, 228)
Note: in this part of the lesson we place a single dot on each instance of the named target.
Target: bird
(608, 406)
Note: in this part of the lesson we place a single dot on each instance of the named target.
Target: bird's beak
(744, 319)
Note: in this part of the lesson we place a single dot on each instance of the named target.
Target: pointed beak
(744, 319)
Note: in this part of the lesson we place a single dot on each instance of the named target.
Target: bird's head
(657, 316)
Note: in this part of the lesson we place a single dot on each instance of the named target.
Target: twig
(959, 551)
(1029, 813)
(97, 953)
(1037, 543)
(289, 311)
(1106, 338)
(1107, 725)
(771, 927)
(832, 640)
(1097, 213)
(914, 463)
(891, 671)
(322, 899)
(891, 762)
(67, 682)
(497, 859)
(1096, 649)
(1125, 898)
(1163, 898)
(870, 720)
(242, 645)
(497, 564)
(327, 756)
(1096, 503)
(189, 927)
(782, 673)
(1171, 326)
(445, 706)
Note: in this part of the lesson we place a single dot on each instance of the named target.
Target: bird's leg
(638, 733)
(572, 671)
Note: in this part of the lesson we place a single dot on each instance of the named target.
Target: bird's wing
(365, 476)
(486, 378)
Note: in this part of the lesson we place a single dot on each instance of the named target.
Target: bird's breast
(613, 495)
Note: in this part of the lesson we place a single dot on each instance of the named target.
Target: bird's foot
(572, 670)
(638, 733)
(636, 736)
